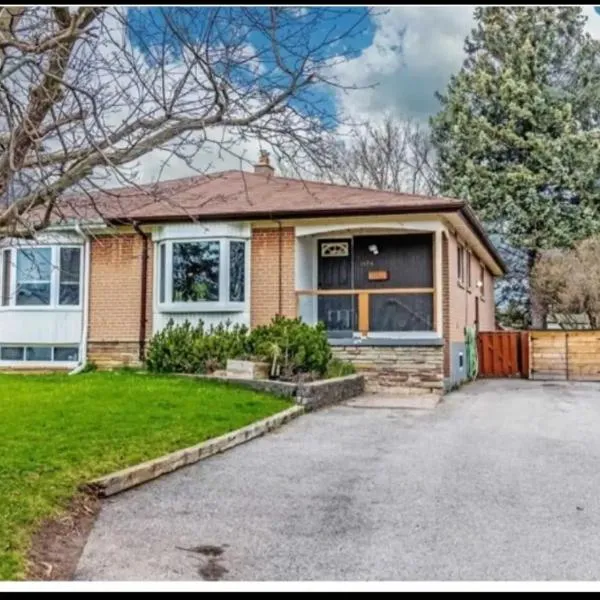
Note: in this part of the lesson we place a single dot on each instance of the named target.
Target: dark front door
(338, 312)
(396, 261)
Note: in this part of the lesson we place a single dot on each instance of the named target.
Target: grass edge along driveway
(57, 432)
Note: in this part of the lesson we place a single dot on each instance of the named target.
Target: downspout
(85, 302)
(143, 292)
(280, 269)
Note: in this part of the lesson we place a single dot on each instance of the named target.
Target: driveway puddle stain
(210, 569)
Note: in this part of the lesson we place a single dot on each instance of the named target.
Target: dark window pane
(33, 276)
(196, 272)
(70, 263)
(237, 263)
(6, 278)
(401, 312)
(69, 294)
(8, 353)
(33, 294)
(70, 354)
(468, 257)
(338, 313)
(33, 265)
(162, 282)
(37, 353)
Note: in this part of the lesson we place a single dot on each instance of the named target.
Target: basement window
(202, 275)
(39, 354)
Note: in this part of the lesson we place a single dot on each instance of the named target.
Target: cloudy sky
(409, 68)
(410, 52)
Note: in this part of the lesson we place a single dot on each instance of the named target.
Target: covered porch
(372, 283)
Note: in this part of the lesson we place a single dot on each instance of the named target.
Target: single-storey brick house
(395, 277)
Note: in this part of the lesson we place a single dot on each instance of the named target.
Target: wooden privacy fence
(555, 354)
(572, 355)
(503, 353)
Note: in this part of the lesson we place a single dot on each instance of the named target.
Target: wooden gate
(503, 353)
(572, 355)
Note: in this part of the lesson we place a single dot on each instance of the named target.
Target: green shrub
(292, 346)
(193, 349)
(339, 368)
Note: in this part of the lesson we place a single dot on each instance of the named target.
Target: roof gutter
(434, 207)
(289, 214)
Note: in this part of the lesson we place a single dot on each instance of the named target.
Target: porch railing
(364, 298)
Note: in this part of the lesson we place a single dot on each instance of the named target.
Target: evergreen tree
(516, 132)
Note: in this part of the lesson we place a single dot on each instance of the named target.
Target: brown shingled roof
(243, 195)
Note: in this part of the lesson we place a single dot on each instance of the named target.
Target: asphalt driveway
(501, 481)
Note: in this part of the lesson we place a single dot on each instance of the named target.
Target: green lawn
(58, 431)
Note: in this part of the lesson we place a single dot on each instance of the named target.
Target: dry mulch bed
(59, 542)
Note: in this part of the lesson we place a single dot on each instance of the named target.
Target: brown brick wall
(265, 287)
(397, 369)
(115, 286)
(462, 300)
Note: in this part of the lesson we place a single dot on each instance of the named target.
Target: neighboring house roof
(242, 195)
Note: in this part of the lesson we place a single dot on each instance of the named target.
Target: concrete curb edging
(120, 481)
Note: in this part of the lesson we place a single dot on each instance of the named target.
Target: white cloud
(414, 51)
(410, 67)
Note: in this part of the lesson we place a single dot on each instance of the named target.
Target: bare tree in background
(85, 92)
(566, 284)
(394, 155)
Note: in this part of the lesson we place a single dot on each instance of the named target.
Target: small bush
(339, 368)
(291, 346)
(193, 349)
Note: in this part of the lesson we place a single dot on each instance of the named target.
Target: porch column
(438, 300)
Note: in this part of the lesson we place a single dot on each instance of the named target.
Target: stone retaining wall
(312, 395)
(329, 391)
(402, 369)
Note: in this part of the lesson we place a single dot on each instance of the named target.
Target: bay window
(41, 276)
(204, 274)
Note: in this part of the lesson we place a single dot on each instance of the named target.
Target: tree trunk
(537, 314)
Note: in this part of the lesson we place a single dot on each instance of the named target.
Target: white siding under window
(41, 298)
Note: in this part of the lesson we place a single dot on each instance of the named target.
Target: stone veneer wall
(402, 369)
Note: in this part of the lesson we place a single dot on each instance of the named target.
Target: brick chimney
(263, 167)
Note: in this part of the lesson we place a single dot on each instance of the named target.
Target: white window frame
(223, 304)
(54, 279)
(37, 363)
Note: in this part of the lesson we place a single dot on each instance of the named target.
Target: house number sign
(379, 275)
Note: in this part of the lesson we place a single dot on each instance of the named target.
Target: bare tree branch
(394, 155)
(85, 92)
